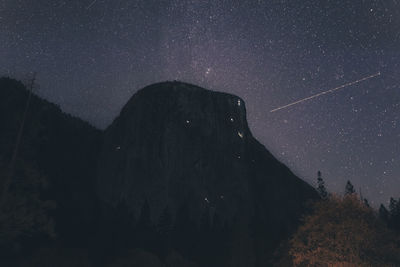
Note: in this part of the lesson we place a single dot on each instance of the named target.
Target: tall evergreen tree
(366, 202)
(321, 187)
(394, 212)
(393, 206)
(349, 190)
(384, 214)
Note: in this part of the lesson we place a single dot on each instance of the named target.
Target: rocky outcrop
(175, 143)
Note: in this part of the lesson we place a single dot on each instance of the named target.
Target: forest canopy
(343, 231)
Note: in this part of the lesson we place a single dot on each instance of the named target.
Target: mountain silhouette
(59, 146)
(175, 144)
(178, 172)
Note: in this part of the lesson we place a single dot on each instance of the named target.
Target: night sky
(92, 55)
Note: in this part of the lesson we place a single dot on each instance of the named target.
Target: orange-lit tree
(342, 231)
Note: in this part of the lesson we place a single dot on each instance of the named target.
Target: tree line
(343, 230)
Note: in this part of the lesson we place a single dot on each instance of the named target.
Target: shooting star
(327, 92)
(89, 6)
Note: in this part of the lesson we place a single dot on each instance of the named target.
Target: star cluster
(92, 55)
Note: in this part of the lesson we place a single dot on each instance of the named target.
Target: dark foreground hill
(61, 148)
(178, 177)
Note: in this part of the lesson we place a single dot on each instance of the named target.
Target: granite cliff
(177, 144)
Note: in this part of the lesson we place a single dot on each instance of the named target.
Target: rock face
(177, 144)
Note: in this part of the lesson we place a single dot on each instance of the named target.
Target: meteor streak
(327, 92)
(89, 6)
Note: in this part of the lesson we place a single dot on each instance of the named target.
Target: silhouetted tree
(349, 190)
(393, 207)
(321, 187)
(394, 212)
(391, 216)
(366, 203)
(384, 214)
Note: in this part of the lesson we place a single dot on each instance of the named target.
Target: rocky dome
(177, 144)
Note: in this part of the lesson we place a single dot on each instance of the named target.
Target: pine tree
(384, 214)
(349, 189)
(366, 203)
(393, 206)
(321, 187)
(394, 212)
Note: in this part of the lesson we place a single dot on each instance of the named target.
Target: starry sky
(92, 55)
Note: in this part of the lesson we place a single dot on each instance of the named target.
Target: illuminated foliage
(344, 232)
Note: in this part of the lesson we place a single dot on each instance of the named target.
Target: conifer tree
(349, 190)
(394, 213)
(393, 206)
(384, 214)
(321, 187)
(366, 202)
